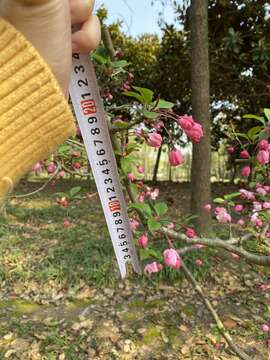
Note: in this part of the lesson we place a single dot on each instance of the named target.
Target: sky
(138, 16)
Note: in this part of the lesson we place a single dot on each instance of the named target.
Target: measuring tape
(90, 114)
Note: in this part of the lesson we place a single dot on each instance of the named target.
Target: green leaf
(253, 132)
(143, 207)
(255, 117)
(149, 253)
(161, 208)
(134, 95)
(120, 64)
(162, 104)
(267, 114)
(232, 196)
(74, 191)
(134, 189)
(150, 114)
(100, 59)
(242, 135)
(153, 225)
(120, 124)
(126, 164)
(147, 94)
(219, 201)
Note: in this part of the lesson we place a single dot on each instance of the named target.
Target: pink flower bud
(76, 166)
(207, 207)
(235, 256)
(130, 77)
(263, 288)
(62, 174)
(153, 268)
(230, 150)
(131, 177)
(246, 171)
(141, 198)
(37, 168)
(264, 328)
(261, 191)
(190, 233)
(263, 157)
(141, 169)
(172, 258)
(222, 215)
(198, 262)
(241, 222)
(66, 223)
(193, 129)
(263, 145)
(170, 226)
(51, 168)
(63, 202)
(133, 224)
(154, 140)
(143, 241)
(175, 157)
(154, 194)
(238, 208)
(244, 154)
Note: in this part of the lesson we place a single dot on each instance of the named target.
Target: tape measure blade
(87, 102)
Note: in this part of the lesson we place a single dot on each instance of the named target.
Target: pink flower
(141, 169)
(133, 223)
(263, 288)
(198, 262)
(230, 150)
(190, 233)
(186, 122)
(143, 241)
(63, 202)
(154, 140)
(51, 168)
(256, 220)
(153, 268)
(170, 226)
(246, 171)
(37, 168)
(76, 166)
(241, 222)
(193, 129)
(66, 223)
(207, 207)
(222, 215)
(266, 205)
(131, 177)
(238, 208)
(264, 328)
(257, 206)
(172, 258)
(247, 194)
(154, 194)
(263, 157)
(263, 145)
(235, 256)
(175, 157)
(62, 174)
(141, 198)
(244, 154)
(158, 125)
(261, 191)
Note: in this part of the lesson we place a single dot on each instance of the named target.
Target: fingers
(80, 10)
(88, 38)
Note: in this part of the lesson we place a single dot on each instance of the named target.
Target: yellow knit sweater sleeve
(34, 115)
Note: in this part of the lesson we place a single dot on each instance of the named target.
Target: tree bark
(200, 82)
(157, 165)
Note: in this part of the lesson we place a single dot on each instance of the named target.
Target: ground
(61, 297)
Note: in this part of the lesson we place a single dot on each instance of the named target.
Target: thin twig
(242, 355)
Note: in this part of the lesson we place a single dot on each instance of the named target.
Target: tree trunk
(200, 82)
(157, 165)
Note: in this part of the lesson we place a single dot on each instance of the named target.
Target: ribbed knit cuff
(35, 118)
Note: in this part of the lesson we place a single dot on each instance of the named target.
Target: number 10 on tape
(91, 118)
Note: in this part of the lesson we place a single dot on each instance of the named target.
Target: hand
(47, 25)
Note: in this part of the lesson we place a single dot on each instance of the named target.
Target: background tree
(200, 82)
